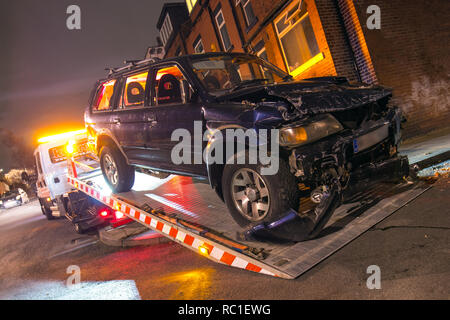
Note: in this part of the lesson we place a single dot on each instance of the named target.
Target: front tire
(118, 174)
(46, 211)
(253, 198)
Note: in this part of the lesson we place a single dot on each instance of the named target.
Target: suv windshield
(225, 74)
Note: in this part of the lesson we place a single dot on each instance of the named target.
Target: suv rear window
(104, 95)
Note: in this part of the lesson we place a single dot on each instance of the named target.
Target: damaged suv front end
(346, 132)
(331, 133)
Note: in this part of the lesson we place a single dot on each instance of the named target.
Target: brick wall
(410, 53)
(339, 45)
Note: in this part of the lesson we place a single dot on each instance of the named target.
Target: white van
(51, 164)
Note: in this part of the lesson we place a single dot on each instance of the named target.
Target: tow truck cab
(51, 164)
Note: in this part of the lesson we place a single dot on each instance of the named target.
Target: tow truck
(187, 211)
(55, 195)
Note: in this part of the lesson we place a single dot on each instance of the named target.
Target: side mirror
(186, 91)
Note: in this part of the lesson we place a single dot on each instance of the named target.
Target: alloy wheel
(111, 169)
(250, 194)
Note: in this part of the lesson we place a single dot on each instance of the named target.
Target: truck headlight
(313, 131)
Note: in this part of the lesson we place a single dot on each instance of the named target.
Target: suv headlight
(313, 131)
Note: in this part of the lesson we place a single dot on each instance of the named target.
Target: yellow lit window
(190, 4)
(297, 39)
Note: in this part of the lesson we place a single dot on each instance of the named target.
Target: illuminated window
(223, 30)
(167, 86)
(104, 95)
(297, 38)
(190, 4)
(134, 91)
(166, 30)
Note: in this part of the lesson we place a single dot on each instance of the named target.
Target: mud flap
(292, 227)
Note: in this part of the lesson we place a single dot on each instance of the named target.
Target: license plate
(368, 140)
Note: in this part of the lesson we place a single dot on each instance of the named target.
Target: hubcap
(110, 169)
(250, 194)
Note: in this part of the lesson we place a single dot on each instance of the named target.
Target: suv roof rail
(130, 64)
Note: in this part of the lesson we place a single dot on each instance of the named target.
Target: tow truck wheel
(118, 174)
(46, 211)
(253, 198)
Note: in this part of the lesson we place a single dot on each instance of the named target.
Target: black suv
(327, 128)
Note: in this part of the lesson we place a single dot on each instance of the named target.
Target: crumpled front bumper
(350, 149)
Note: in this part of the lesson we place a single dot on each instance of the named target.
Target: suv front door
(172, 111)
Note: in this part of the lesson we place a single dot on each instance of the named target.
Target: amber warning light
(65, 135)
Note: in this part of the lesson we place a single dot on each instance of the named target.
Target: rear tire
(118, 174)
(270, 196)
(46, 211)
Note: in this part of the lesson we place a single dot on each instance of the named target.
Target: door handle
(116, 121)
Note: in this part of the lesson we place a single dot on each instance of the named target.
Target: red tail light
(104, 213)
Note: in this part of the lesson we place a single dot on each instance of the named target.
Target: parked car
(328, 127)
(13, 198)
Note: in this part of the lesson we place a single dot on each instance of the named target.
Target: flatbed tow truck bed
(188, 211)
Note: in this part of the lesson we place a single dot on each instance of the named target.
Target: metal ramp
(194, 201)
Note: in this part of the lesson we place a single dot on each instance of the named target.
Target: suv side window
(104, 96)
(133, 94)
(167, 86)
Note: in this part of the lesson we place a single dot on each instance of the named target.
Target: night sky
(47, 71)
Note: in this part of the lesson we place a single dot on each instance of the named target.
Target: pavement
(411, 248)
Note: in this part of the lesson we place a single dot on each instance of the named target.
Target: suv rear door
(129, 122)
(171, 111)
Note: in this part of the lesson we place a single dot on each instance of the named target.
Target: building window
(223, 30)
(297, 38)
(190, 4)
(166, 30)
(250, 17)
(198, 45)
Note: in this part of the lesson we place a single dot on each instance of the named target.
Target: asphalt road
(411, 247)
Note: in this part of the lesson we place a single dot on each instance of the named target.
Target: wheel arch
(106, 139)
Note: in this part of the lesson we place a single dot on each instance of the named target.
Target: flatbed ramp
(194, 201)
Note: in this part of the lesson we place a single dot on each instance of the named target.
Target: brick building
(309, 38)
